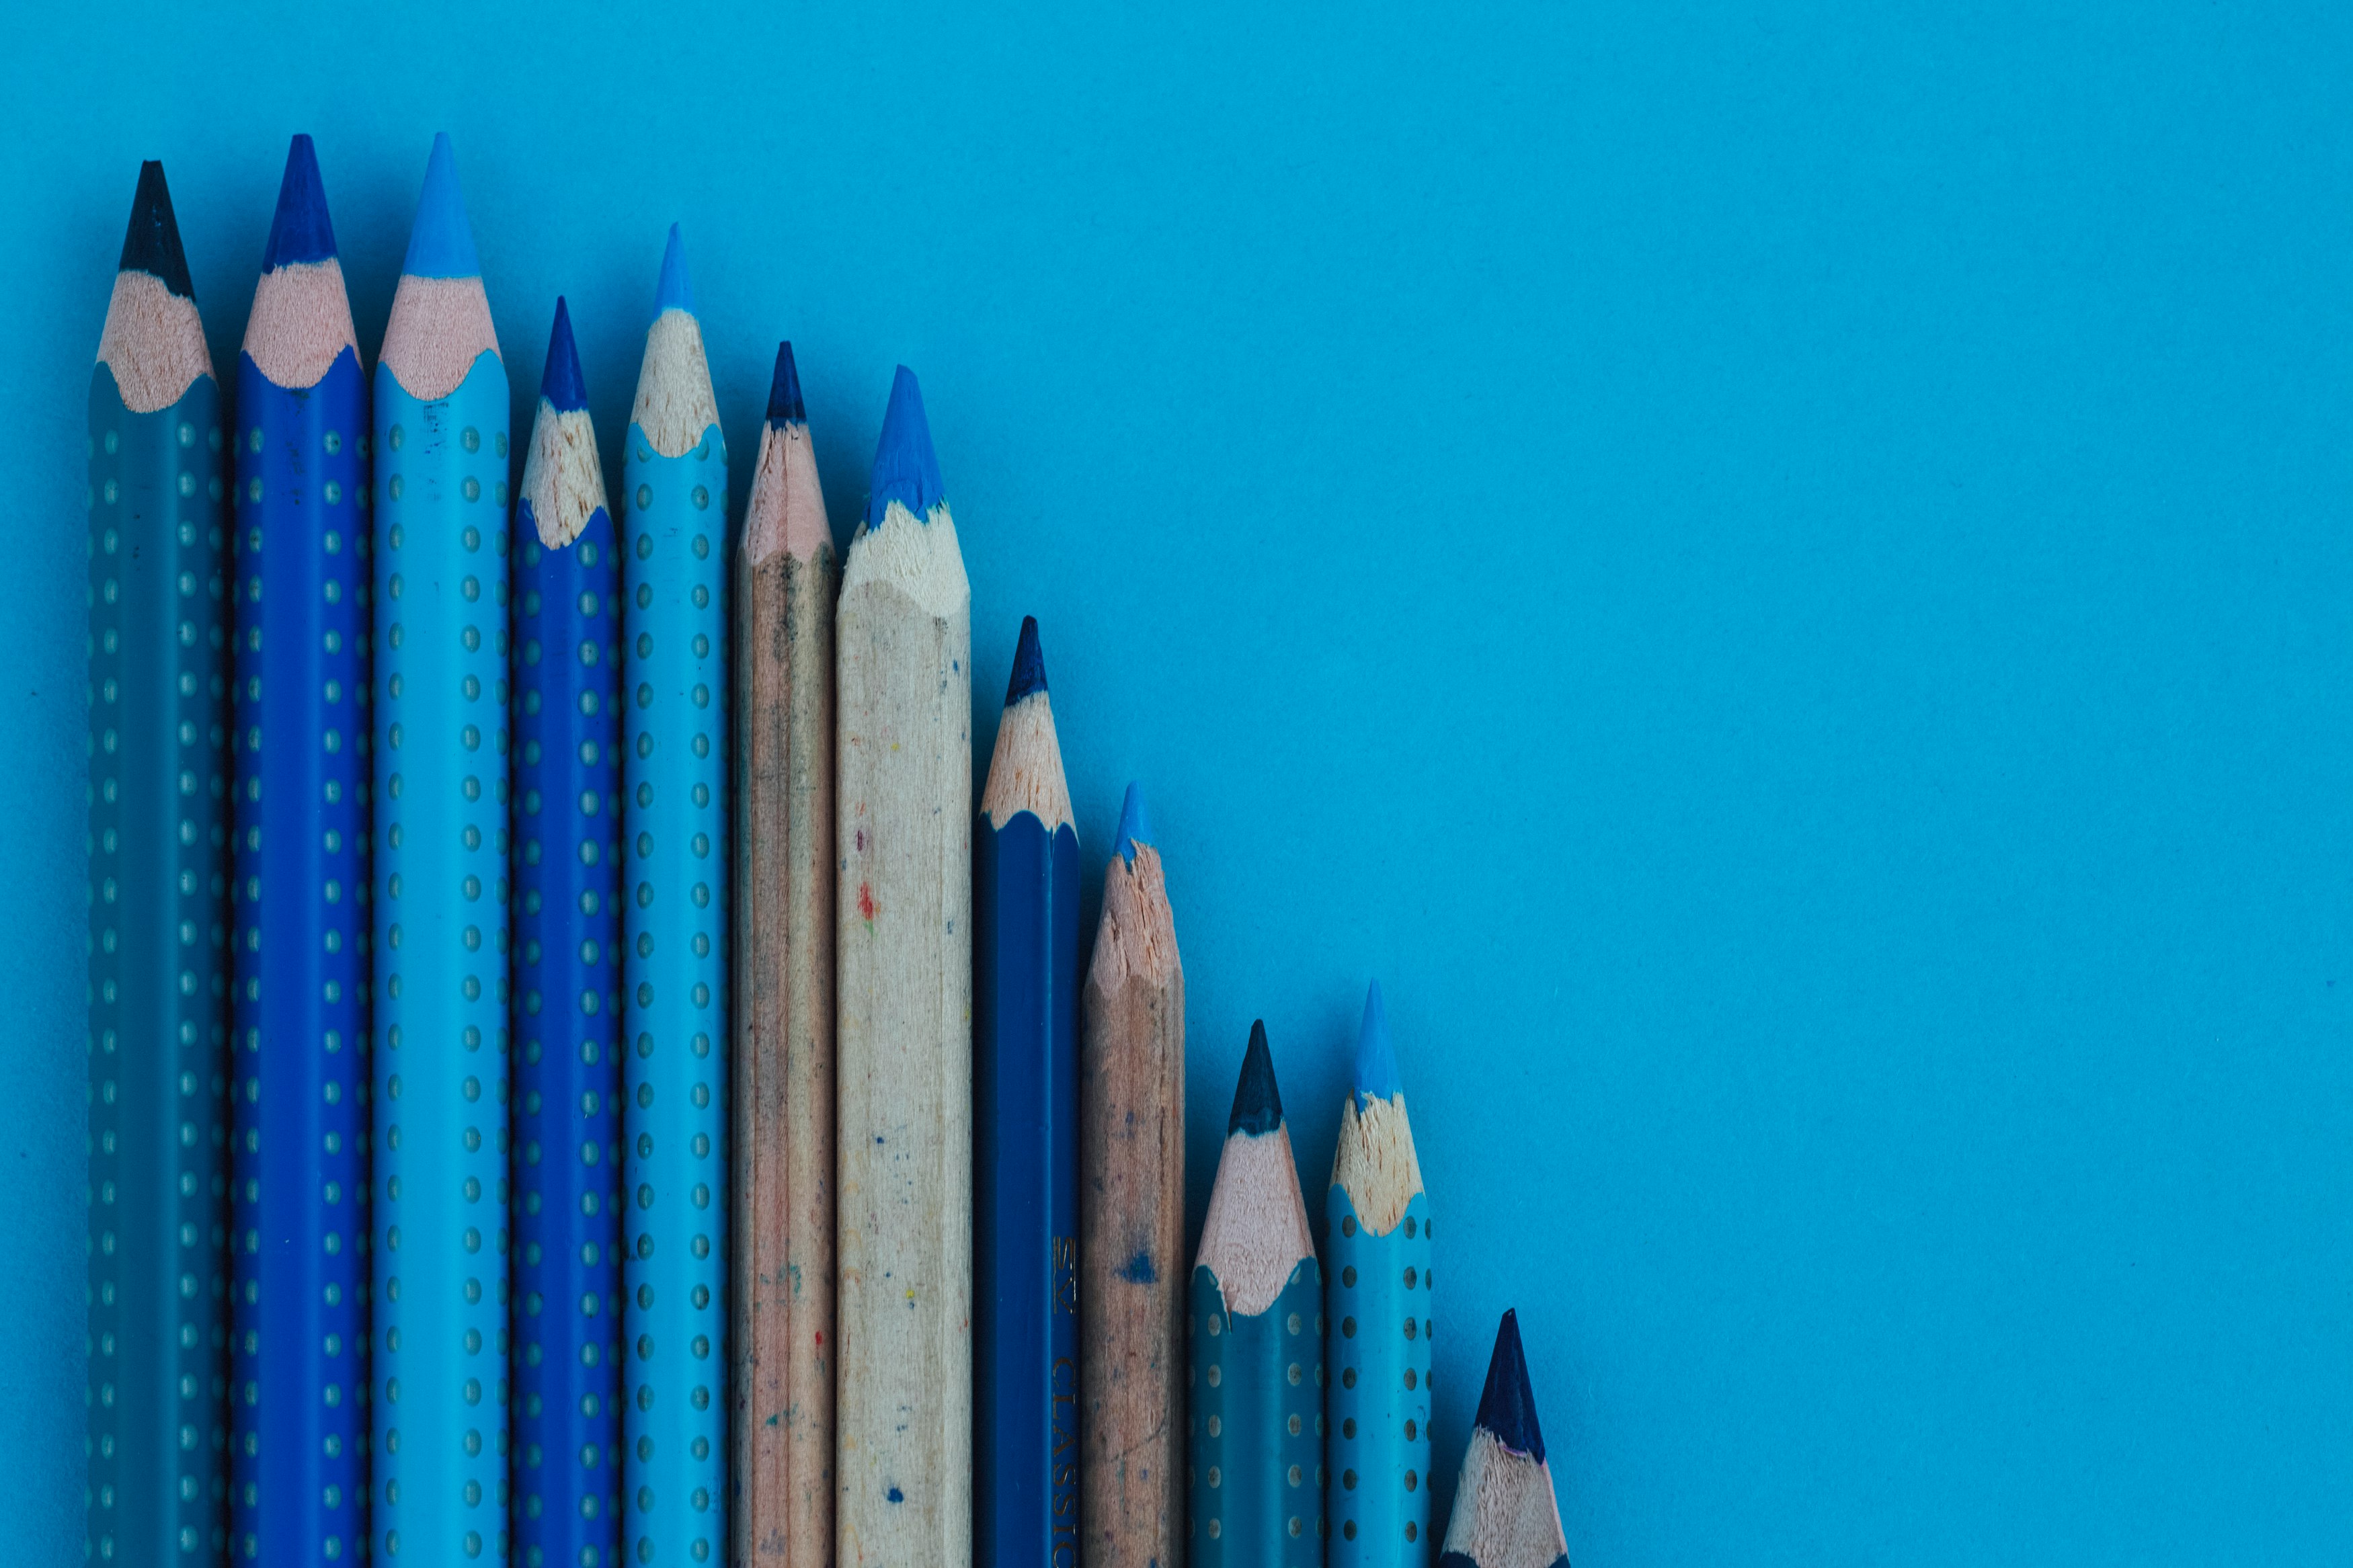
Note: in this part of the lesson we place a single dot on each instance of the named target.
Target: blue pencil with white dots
(674, 969)
(299, 1035)
(1376, 1306)
(1506, 1514)
(441, 900)
(568, 986)
(158, 943)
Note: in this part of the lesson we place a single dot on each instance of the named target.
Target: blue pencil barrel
(567, 1024)
(299, 1033)
(1255, 1424)
(674, 998)
(1026, 1209)
(1377, 1346)
(158, 976)
(441, 959)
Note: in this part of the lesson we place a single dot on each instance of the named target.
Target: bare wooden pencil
(902, 1456)
(1131, 1218)
(783, 1258)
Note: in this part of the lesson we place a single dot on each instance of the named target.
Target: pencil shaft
(299, 1036)
(158, 976)
(568, 1071)
(903, 956)
(784, 1067)
(1025, 1215)
(441, 1033)
(674, 1001)
(1377, 1305)
(1256, 1408)
(1131, 1250)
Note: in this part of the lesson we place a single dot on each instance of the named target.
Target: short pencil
(1255, 1402)
(1025, 896)
(783, 1335)
(1505, 1514)
(299, 1374)
(1132, 1215)
(674, 974)
(158, 950)
(1376, 1304)
(440, 879)
(567, 876)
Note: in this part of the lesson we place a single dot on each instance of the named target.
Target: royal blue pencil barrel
(298, 1243)
(568, 990)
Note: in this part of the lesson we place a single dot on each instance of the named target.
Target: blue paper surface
(1780, 573)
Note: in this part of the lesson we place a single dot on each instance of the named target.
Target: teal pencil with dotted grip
(158, 1425)
(440, 1024)
(674, 944)
(1377, 1235)
(1254, 1315)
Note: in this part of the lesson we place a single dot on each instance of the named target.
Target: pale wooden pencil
(903, 962)
(1131, 1218)
(785, 584)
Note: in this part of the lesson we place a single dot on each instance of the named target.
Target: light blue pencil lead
(441, 241)
(1377, 1067)
(1135, 826)
(677, 290)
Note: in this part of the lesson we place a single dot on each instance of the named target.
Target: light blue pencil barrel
(441, 902)
(299, 1372)
(567, 1459)
(158, 1426)
(1377, 1310)
(674, 974)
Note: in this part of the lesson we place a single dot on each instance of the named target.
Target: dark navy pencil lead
(152, 245)
(1258, 1104)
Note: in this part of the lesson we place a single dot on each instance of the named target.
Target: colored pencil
(903, 962)
(1377, 1235)
(440, 1470)
(1024, 1242)
(1256, 1322)
(674, 1001)
(786, 579)
(1505, 1514)
(1132, 1215)
(158, 949)
(567, 879)
(298, 1372)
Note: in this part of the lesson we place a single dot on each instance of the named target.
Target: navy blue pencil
(568, 986)
(299, 1248)
(1025, 1128)
(1505, 1515)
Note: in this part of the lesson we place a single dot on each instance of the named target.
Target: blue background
(1778, 571)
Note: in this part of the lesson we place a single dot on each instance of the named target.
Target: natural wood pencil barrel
(782, 1259)
(1131, 1219)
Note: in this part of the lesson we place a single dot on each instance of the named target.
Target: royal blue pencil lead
(300, 230)
(1028, 664)
(1134, 826)
(785, 391)
(1505, 1512)
(906, 469)
(561, 383)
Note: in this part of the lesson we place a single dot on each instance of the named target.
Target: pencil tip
(1377, 1067)
(300, 230)
(1507, 1406)
(1135, 826)
(151, 244)
(906, 469)
(561, 383)
(1028, 664)
(1258, 1104)
(785, 391)
(677, 290)
(441, 240)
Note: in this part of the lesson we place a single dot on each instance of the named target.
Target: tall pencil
(158, 949)
(903, 961)
(1377, 1234)
(1256, 1316)
(786, 579)
(567, 874)
(674, 969)
(1505, 1515)
(440, 1468)
(299, 1372)
(1026, 1088)
(1132, 1215)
